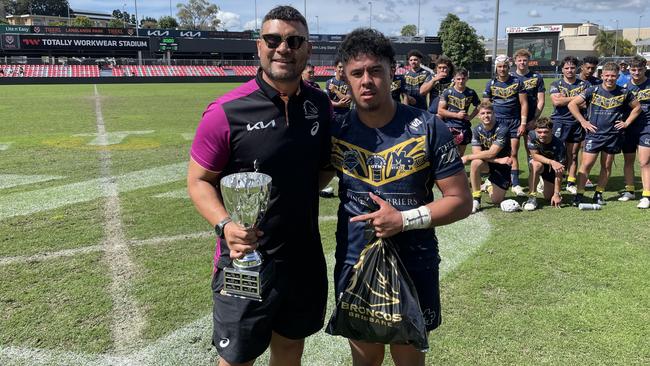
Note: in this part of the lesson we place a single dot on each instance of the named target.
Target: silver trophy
(246, 197)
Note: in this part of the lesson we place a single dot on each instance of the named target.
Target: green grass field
(104, 261)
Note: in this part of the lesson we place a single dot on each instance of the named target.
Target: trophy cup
(246, 197)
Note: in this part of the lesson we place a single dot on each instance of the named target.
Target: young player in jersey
(392, 154)
(436, 84)
(637, 136)
(338, 91)
(587, 70)
(490, 151)
(398, 87)
(607, 105)
(548, 157)
(308, 76)
(565, 126)
(533, 84)
(414, 79)
(510, 102)
(454, 109)
(295, 140)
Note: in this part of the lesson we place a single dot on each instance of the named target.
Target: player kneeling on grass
(548, 156)
(607, 106)
(490, 152)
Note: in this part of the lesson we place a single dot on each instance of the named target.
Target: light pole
(170, 8)
(256, 16)
(370, 3)
(417, 29)
(305, 9)
(496, 35)
(638, 33)
(69, 20)
(317, 25)
(616, 38)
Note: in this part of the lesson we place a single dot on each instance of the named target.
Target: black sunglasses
(274, 41)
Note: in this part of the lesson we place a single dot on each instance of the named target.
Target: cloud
(534, 14)
(385, 18)
(593, 6)
(250, 25)
(480, 18)
(229, 20)
(459, 9)
(355, 18)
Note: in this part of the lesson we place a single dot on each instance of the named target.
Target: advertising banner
(51, 42)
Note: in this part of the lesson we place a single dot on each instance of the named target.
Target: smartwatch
(218, 228)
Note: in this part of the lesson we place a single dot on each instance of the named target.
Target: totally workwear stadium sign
(49, 42)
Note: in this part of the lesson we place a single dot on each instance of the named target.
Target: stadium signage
(14, 29)
(47, 42)
(535, 29)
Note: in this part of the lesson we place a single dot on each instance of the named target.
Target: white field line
(127, 318)
(111, 138)
(5, 145)
(27, 203)
(190, 345)
(13, 180)
(188, 136)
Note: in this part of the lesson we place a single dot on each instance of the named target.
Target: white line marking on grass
(190, 344)
(188, 136)
(179, 193)
(27, 203)
(110, 138)
(13, 180)
(5, 145)
(128, 320)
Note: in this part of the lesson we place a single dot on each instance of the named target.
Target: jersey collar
(270, 91)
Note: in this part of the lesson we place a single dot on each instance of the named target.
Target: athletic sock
(476, 195)
(514, 176)
(629, 188)
(533, 194)
(600, 189)
(571, 181)
(646, 194)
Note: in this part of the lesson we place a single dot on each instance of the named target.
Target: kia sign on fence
(48, 42)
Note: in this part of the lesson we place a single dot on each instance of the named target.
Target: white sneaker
(626, 196)
(540, 186)
(476, 206)
(531, 204)
(644, 203)
(572, 189)
(518, 191)
(589, 184)
(486, 185)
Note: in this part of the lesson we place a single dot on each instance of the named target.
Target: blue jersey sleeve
(475, 99)
(445, 95)
(521, 87)
(443, 157)
(487, 93)
(502, 136)
(476, 141)
(555, 89)
(588, 93)
(540, 84)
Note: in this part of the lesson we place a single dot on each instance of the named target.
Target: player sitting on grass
(548, 156)
(490, 152)
(607, 104)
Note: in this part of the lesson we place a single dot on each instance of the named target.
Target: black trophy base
(248, 284)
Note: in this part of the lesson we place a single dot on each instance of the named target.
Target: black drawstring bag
(380, 303)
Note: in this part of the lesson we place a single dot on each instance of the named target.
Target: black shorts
(462, 135)
(568, 132)
(610, 144)
(548, 174)
(512, 124)
(426, 282)
(500, 175)
(293, 306)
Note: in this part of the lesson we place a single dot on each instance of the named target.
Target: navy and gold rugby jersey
(505, 97)
(593, 81)
(562, 114)
(605, 107)
(289, 142)
(397, 87)
(554, 150)
(498, 135)
(414, 80)
(398, 162)
(439, 87)
(642, 94)
(533, 84)
(459, 101)
(334, 87)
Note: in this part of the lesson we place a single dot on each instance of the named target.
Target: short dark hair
(308, 65)
(544, 122)
(415, 53)
(366, 41)
(591, 60)
(286, 13)
(444, 60)
(337, 60)
(638, 61)
(461, 71)
(569, 60)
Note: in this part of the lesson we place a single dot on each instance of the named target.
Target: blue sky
(388, 16)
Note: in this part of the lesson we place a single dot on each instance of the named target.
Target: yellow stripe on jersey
(415, 80)
(379, 168)
(642, 94)
(607, 103)
(504, 93)
(571, 92)
(459, 103)
(530, 83)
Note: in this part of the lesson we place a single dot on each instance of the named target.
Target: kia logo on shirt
(260, 125)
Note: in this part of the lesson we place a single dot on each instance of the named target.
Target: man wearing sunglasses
(277, 125)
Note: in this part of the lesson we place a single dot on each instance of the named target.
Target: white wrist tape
(417, 218)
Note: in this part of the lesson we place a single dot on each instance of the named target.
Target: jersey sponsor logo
(607, 103)
(415, 123)
(429, 316)
(314, 128)
(260, 125)
(415, 80)
(448, 153)
(486, 139)
(457, 102)
(311, 112)
(504, 93)
(642, 95)
(395, 85)
(530, 83)
(379, 168)
(224, 342)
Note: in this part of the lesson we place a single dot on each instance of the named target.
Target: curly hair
(569, 60)
(366, 41)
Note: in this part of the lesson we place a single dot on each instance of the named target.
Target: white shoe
(531, 204)
(572, 189)
(476, 206)
(485, 185)
(540, 186)
(644, 203)
(518, 191)
(589, 184)
(626, 196)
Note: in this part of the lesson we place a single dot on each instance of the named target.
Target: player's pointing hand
(386, 221)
